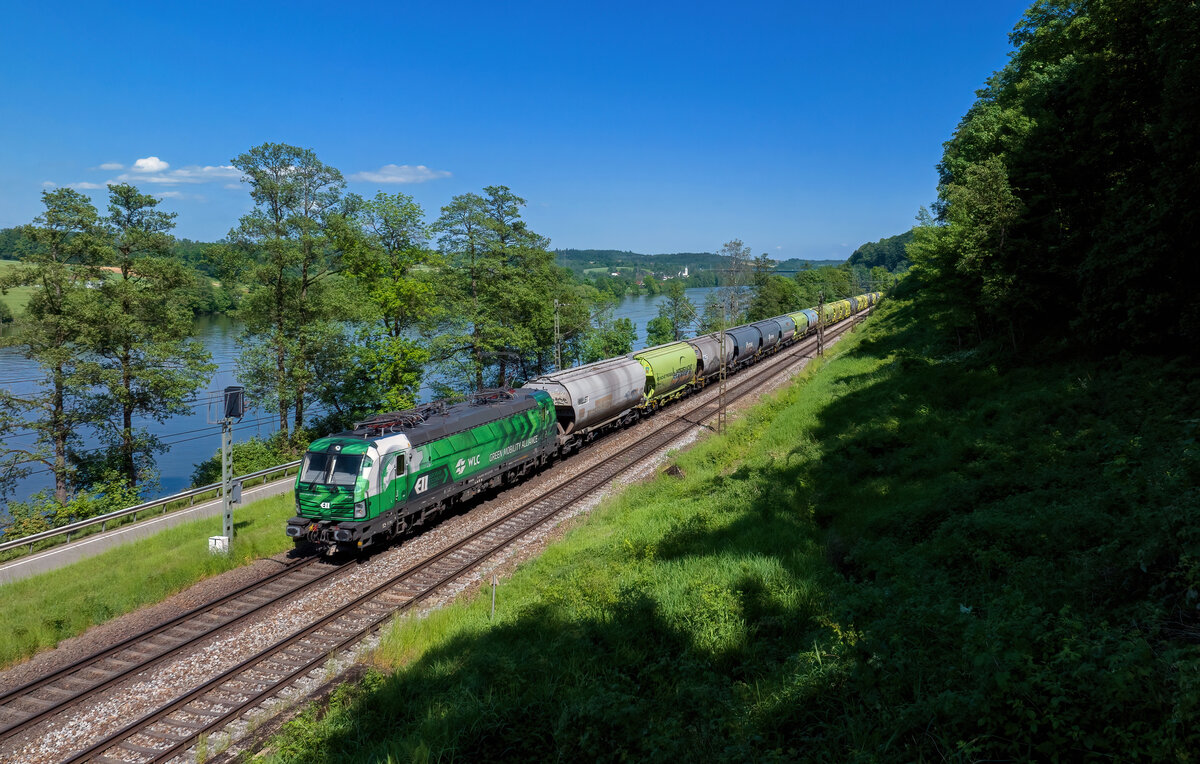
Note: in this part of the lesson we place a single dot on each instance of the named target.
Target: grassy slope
(906, 557)
(40, 611)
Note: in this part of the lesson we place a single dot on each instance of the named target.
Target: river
(193, 437)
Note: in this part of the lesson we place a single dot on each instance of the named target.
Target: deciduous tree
(141, 362)
(676, 316)
(291, 244)
(609, 337)
(503, 283)
(61, 262)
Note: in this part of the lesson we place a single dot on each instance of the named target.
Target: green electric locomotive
(394, 470)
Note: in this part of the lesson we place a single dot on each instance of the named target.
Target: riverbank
(911, 555)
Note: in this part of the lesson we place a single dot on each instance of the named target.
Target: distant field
(18, 296)
(605, 271)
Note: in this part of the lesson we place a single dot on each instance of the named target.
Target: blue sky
(804, 129)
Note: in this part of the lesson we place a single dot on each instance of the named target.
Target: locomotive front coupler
(325, 532)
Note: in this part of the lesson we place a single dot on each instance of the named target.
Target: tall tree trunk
(302, 343)
(300, 386)
(299, 420)
(476, 337)
(130, 468)
(280, 352)
(58, 428)
(280, 378)
(478, 350)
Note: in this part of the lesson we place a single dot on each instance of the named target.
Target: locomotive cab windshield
(330, 469)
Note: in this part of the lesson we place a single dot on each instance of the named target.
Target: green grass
(40, 611)
(912, 555)
(17, 297)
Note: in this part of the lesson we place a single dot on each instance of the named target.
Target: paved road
(65, 554)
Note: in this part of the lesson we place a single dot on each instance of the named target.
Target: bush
(251, 456)
(43, 512)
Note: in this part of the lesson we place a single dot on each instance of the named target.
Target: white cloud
(110, 166)
(406, 173)
(208, 172)
(150, 164)
(234, 186)
(180, 195)
(189, 174)
(48, 184)
(84, 185)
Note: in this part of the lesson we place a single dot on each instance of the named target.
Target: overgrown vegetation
(1068, 196)
(911, 556)
(41, 611)
(43, 511)
(253, 455)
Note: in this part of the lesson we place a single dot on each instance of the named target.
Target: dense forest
(890, 253)
(1067, 205)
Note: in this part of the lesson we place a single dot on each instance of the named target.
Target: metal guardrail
(103, 520)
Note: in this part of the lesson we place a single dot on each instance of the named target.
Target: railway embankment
(912, 554)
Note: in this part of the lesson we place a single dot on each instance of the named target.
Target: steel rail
(157, 653)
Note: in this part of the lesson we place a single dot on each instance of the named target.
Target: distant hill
(593, 261)
(887, 252)
(580, 261)
(793, 264)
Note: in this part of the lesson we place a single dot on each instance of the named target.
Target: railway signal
(234, 407)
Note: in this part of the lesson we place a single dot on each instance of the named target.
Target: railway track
(174, 727)
(31, 703)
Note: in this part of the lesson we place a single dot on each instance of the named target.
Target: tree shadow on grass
(995, 532)
(629, 686)
(1006, 542)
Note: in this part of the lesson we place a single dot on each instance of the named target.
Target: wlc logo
(464, 463)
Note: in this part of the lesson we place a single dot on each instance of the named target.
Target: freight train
(396, 470)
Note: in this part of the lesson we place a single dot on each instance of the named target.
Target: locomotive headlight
(360, 509)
